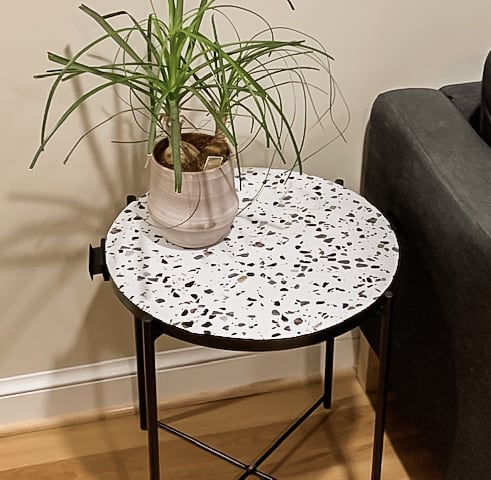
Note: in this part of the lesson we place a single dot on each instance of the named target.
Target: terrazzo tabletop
(303, 257)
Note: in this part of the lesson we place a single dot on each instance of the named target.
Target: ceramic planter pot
(202, 214)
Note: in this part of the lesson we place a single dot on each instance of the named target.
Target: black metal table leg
(328, 370)
(151, 399)
(140, 372)
(382, 390)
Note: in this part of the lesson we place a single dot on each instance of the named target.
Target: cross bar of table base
(251, 469)
(147, 331)
(217, 453)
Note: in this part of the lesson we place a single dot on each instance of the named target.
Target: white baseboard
(106, 386)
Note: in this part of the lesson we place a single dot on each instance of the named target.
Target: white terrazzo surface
(303, 256)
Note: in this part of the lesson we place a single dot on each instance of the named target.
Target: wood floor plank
(334, 445)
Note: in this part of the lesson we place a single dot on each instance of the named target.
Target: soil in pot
(195, 150)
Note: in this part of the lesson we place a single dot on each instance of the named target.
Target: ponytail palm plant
(175, 64)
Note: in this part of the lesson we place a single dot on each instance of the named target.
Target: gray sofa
(427, 167)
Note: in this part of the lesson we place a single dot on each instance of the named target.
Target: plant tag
(213, 162)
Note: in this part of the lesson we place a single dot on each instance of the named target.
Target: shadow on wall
(43, 257)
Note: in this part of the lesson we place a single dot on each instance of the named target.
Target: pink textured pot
(202, 214)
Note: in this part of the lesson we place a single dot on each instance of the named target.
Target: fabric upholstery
(429, 172)
(466, 97)
(485, 127)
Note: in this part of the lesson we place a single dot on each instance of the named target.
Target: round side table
(305, 261)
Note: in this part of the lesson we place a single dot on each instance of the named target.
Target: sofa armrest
(416, 138)
(429, 172)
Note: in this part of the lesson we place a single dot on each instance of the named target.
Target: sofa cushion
(466, 98)
(485, 129)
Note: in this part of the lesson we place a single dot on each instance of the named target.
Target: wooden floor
(334, 445)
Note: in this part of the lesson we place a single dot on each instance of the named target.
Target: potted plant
(176, 65)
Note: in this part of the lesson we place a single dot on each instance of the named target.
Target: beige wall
(52, 316)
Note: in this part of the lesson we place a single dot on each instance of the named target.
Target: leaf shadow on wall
(44, 253)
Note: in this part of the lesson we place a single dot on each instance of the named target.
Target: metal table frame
(148, 329)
